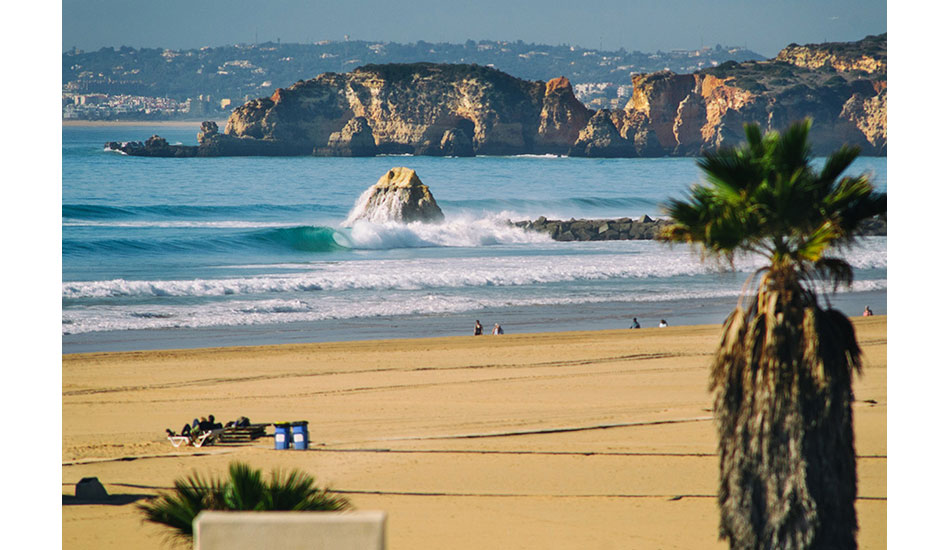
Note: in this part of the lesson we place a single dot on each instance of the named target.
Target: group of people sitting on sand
(198, 427)
(495, 331)
(636, 324)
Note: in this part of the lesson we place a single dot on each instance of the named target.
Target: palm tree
(781, 378)
(243, 489)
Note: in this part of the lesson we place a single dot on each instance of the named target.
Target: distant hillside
(241, 72)
(867, 55)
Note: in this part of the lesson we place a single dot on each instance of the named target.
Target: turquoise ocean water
(170, 253)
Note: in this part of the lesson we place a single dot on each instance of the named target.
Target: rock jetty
(642, 228)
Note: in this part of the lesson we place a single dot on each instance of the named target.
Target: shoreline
(163, 123)
(536, 320)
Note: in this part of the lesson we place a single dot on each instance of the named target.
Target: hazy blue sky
(764, 26)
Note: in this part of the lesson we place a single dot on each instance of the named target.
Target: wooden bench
(244, 434)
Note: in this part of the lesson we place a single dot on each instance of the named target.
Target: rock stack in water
(398, 196)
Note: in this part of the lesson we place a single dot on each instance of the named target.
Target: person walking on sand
(497, 330)
(635, 324)
(478, 328)
(867, 311)
(663, 323)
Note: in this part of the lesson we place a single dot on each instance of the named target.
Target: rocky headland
(466, 110)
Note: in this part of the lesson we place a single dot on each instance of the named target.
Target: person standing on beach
(497, 330)
(478, 328)
(867, 311)
(663, 323)
(635, 324)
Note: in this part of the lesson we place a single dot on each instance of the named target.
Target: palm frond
(245, 488)
(242, 489)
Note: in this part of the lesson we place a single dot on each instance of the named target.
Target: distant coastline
(165, 123)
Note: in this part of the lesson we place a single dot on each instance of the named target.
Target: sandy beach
(557, 440)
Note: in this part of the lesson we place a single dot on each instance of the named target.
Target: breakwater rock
(642, 228)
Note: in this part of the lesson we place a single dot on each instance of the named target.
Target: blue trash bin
(281, 436)
(301, 435)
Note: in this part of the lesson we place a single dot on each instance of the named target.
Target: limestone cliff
(686, 114)
(420, 108)
(563, 117)
(354, 140)
(600, 139)
(464, 110)
(868, 55)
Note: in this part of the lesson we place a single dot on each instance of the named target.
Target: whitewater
(163, 253)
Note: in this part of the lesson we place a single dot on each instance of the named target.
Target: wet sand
(557, 440)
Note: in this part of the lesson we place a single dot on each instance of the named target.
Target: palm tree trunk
(782, 390)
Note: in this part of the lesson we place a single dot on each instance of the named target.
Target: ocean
(202, 252)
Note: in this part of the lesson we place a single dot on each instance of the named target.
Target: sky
(763, 26)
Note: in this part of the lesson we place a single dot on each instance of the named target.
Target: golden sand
(557, 440)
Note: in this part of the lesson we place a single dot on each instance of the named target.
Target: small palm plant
(782, 376)
(243, 489)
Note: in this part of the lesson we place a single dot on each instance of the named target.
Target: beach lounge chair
(178, 440)
(206, 437)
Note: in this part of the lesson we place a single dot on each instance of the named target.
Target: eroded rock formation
(155, 146)
(420, 108)
(600, 139)
(355, 139)
(464, 110)
(563, 117)
(842, 89)
(398, 196)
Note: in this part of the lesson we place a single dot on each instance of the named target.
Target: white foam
(635, 260)
(356, 306)
(459, 231)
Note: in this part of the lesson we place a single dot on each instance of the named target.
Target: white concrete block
(359, 530)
